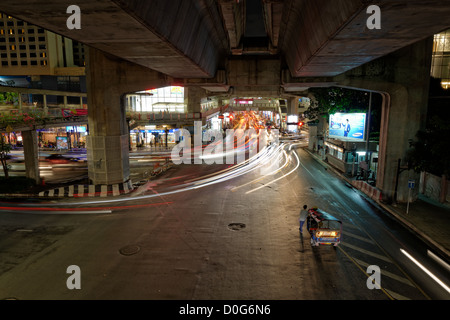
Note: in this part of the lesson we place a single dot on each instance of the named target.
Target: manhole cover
(129, 250)
(236, 226)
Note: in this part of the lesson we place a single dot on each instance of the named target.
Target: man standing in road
(302, 218)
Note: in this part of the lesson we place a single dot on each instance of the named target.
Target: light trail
(267, 155)
(287, 174)
(268, 174)
(428, 272)
(53, 210)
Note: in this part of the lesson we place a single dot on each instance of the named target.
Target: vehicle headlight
(319, 234)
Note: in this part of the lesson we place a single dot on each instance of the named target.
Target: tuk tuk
(323, 228)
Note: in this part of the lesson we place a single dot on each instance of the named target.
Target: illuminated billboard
(348, 126)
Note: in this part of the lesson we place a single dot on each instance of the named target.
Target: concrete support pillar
(403, 80)
(45, 104)
(192, 98)
(31, 154)
(109, 79)
(107, 143)
(292, 107)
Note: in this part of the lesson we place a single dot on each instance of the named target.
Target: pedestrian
(303, 216)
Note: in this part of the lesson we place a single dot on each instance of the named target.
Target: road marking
(387, 274)
(396, 295)
(370, 253)
(359, 267)
(357, 237)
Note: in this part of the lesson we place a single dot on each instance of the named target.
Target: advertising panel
(62, 143)
(348, 126)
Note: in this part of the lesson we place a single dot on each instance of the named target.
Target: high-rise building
(27, 50)
(440, 68)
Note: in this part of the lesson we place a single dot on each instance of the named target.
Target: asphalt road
(229, 239)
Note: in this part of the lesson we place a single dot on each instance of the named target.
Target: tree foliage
(9, 97)
(429, 152)
(328, 101)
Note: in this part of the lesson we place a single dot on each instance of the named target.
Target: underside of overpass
(268, 48)
(242, 44)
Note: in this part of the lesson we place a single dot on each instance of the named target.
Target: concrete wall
(403, 80)
(434, 187)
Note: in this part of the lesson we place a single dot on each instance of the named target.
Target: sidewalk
(428, 219)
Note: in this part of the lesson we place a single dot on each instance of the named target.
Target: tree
(429, 152)
(326, 101)
(5, 148)
(335, 99)
(10, 97)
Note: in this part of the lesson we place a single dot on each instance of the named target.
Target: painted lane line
(358, 237)
(370, 253)
(367, 275)
(387, 273)
(396, 295)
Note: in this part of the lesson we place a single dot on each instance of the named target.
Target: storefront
(63, 138)
(348, 156)
(149, 136)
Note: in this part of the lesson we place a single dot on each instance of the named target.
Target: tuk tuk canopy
(320, 215)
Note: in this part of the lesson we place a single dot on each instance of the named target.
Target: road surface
(195, 237)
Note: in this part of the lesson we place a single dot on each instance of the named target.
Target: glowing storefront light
(167, 99)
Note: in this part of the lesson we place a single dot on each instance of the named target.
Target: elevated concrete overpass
(274, 48)
(223, 40)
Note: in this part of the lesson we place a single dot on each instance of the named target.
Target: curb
(81, 191)
(78, 191)
(377, 198)
(418, 232)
